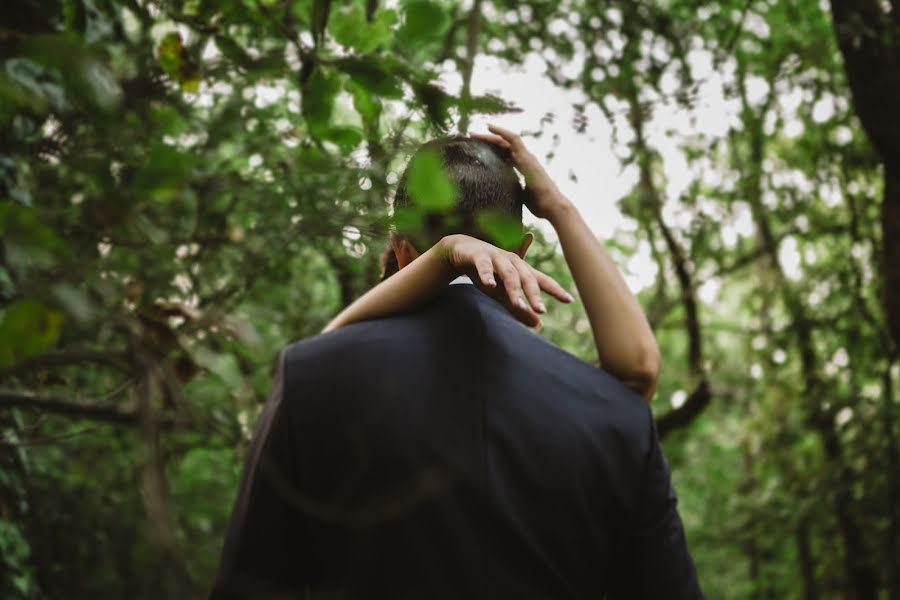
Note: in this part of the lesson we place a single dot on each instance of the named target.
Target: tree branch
(67, 408)
(679, 417)
(473, 32)
(114, 359)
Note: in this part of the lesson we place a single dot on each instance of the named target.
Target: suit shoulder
(597, 393)
(323, 344)
(547, 356)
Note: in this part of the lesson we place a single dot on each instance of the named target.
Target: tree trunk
(890, 257)
(893, 491)
(807, 562)
(867, 36)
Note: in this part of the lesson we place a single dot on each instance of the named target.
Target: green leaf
(350, 28)
(84, 70)
(30, 85)
(74, 301)
(503, 230)
(318, 100)
(488, 104)
(174, 60)
(224, 365)
(347, 24)
(368, 107)
(436, 102)
(424, 22)
(408, 219)
(164, 170)
(347, 138)
(21, 224)
(27, 328)
(428, 184)
(372, 75)
(15, 177)
(320, 13)
(231, 49)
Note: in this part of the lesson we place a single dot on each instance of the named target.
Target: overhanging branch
(116, 360)
(68, 408)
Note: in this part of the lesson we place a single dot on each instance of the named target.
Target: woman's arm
(426, 277)
(625, 343)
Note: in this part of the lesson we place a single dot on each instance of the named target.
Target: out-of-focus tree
(186, 186)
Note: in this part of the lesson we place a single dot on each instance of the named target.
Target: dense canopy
(188, 185)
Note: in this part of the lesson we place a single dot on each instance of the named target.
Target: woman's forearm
(626, 345)
(419, 282)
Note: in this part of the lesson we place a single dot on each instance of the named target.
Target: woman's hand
(503, 275)
(544, 198)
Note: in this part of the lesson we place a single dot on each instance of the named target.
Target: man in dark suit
(450, 452)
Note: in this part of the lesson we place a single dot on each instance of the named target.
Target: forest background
(188, 185)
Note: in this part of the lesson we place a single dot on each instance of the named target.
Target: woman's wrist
(443, 250)
(562, 210)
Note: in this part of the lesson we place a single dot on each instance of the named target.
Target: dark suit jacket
(452, 453)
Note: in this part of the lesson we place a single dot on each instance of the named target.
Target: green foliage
(424, 22)
(350, 28)
(187, 186)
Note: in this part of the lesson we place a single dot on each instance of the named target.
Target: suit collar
(462, 279)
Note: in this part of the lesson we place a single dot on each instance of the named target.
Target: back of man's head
(488, 197)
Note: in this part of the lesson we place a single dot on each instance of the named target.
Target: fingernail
(491, 281)
(569, 297)
(541, 307)
(522, 304)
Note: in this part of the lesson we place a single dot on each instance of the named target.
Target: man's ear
(525, 245)
(403, 250)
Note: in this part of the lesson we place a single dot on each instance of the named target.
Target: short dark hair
(486, 184)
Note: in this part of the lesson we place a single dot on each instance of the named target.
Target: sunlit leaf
(176, 62)
(28, 327)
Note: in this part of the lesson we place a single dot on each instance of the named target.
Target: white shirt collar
(462, 279)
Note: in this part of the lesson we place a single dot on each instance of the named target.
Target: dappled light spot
(843, 416)
(789, 258)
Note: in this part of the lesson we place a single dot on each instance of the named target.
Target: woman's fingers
(520, 281)
(510, 277)
(530, 285)
(512, 283)
(551, 286)
(485, 268)
(491, 139)
(511, 138)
